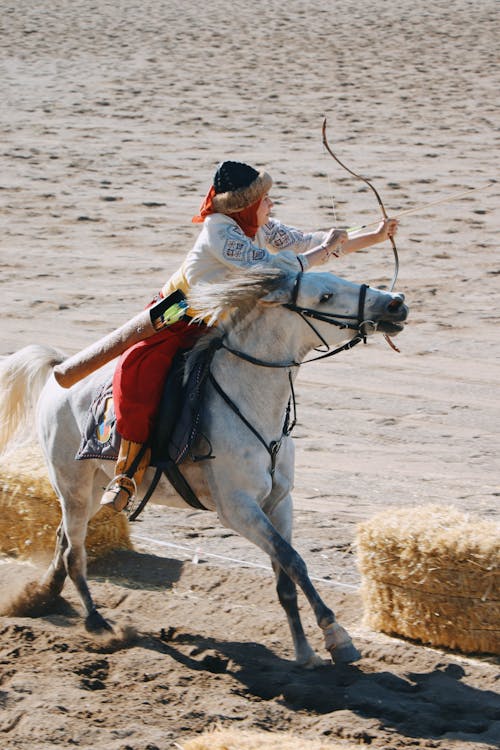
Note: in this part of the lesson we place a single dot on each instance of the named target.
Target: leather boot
(121, 490)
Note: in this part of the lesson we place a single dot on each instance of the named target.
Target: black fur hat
(237, 186)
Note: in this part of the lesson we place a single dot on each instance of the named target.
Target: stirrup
(119, 483)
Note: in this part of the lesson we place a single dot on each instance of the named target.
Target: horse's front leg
(282, 519)
(337, 640)
(244, 515)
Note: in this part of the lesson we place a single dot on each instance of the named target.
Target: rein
(274, 445)
(358, 324)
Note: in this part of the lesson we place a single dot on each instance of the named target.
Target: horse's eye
(325, 297)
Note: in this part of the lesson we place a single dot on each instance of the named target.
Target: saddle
(176, 435)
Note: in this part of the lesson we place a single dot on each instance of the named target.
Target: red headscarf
(206, 207)
(246, 218)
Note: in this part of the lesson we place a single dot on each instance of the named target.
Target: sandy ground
(113, 118)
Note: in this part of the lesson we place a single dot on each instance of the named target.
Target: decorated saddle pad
(100, 438)
(176, 434)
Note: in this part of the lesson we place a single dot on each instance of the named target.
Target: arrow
(416, 209)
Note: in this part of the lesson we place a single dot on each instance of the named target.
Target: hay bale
(432, 574)
(30, 512)
(234, 739)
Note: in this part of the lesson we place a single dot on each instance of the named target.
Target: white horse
(279, 318)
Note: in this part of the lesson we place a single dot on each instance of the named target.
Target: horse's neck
(271, 335)
(265, 389)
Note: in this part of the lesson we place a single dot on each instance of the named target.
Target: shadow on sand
(427, 705)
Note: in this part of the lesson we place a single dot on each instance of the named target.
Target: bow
(376, 194)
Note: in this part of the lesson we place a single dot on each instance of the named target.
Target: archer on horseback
(238, 232)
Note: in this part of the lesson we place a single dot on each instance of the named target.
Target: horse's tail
(22, 378)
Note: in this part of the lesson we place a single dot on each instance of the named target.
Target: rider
(238, 232)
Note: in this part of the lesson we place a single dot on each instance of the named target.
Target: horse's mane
(232, 299)
(237, 295)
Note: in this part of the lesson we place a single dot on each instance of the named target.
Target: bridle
(356, 323)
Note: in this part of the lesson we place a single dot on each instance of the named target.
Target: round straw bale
(235, 739)
(30, 512)
(432, 574)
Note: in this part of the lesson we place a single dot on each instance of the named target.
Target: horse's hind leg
(287, 591)
(54, 578)
(71, 558)
(75, 559)
(39, 597)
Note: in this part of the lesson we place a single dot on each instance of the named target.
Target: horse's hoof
(346, 654)
(313, 661)
(338, 642)
(95, 623)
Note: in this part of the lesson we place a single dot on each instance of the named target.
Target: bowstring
(332, 198)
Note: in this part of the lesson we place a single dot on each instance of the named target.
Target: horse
(268, 322)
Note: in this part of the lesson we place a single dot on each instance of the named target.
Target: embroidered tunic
(222, 247)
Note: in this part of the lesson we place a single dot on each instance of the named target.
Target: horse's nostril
(395, 304)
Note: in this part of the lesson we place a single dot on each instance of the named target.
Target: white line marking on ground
(195, 553)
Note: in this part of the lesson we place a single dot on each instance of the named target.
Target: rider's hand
(387, 229)
(332, 245)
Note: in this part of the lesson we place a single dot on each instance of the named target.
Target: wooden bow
(377, 196)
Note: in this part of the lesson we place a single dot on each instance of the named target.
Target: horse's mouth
(389, 326)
